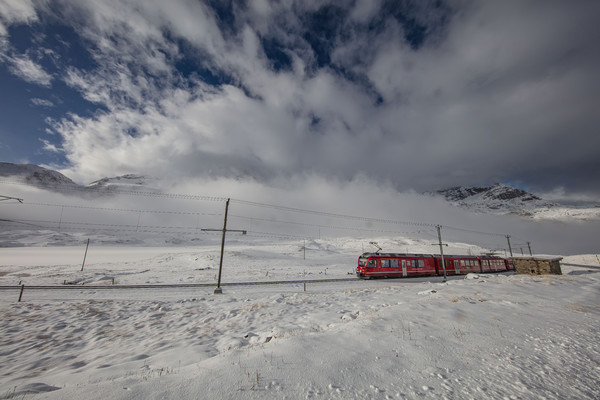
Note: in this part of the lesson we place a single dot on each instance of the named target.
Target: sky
(411, 95)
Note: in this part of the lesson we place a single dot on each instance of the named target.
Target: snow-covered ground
(567, 214)
(488, 336)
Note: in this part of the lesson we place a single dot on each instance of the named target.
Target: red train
(392, 265)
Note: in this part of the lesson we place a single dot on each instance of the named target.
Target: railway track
(173, 285)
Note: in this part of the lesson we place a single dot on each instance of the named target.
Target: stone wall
(537, 266)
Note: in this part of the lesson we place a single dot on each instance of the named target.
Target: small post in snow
(85, 255)
(21, 294)
(304, 249)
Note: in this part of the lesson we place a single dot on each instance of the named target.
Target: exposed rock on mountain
(504, 199)
(35, 175)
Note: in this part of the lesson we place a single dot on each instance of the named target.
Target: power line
(329, 214)
(112, 190)
(472, 231)
(103, 226)
(328, 226)
(4, 198)
(124, 209)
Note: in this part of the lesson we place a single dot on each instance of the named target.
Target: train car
(495, 264)
(398, 265)
(458, 265)
(390, 265)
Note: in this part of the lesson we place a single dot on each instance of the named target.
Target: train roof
(425, 255)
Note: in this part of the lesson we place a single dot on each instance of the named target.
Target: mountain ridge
(499, 199)
(34, 174)
(502, 199)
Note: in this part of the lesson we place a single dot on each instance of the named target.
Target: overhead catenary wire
(282, 208)
(125, 209)
(472, 231)
(330, 214)
(111, 191)
(333, 227)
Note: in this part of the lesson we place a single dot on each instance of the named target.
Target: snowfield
(500, 336)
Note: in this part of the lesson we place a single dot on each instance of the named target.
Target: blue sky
(418, 95)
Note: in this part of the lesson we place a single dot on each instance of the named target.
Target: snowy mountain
(497, 199)
(128, 181)
(35, 175)
(53, 180)
(503, 199)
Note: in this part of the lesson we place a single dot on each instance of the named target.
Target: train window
(385, 263)
(418, 263)
(393, 263)
(371, 264)
(462, 263)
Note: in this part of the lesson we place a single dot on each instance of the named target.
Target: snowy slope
(35, 175)
(480, 337)
(504, 199)
(128, 181)
(53, 180)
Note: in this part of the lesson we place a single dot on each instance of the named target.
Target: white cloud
(42, 102)
(28, 70)
(15, 11)
(50, 146)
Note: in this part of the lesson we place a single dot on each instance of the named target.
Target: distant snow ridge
(127, 180)
(504, 199)
(35, 175)
(497, 199)
(53, 180)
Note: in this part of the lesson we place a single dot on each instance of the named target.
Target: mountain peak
(34, 174)
(501, 191)
(498, 198)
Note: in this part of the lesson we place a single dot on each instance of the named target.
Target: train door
(404, 273)
(456, 267)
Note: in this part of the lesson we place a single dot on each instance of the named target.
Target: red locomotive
(392, 265)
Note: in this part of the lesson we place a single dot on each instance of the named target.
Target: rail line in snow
(171, 285)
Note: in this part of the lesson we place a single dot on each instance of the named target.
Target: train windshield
(362, 261)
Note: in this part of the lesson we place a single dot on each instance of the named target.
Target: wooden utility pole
(85, 255)
(218, 290)
(509, 247)
(439, 227)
